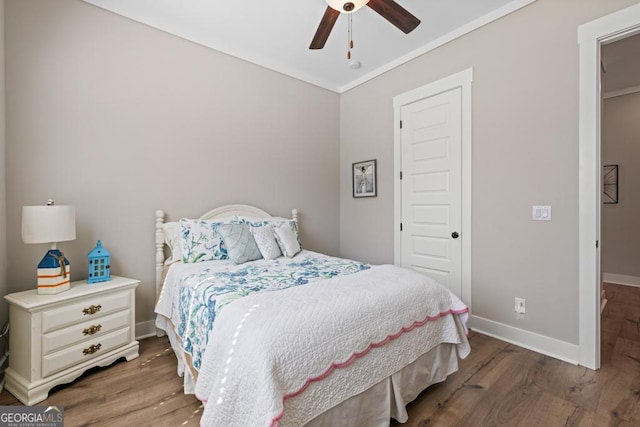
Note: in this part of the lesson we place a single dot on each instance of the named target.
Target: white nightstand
(55, 338)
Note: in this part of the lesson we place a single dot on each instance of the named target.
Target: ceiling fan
(388, 9)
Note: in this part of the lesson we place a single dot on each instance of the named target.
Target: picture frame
(610, 184)
(364, 179)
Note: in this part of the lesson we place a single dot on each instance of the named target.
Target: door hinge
(400, 124)
(400, 226)
(596, 244)
(400, 175)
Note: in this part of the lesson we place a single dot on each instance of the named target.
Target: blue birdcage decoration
(99, 264)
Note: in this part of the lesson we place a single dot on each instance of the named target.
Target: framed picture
(610, 184)
(364, 179)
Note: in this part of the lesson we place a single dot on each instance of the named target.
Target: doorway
(620, 248)
(591, 37)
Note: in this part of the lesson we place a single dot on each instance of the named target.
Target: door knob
(455, 235)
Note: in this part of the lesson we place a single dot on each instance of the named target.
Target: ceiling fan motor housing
(346, 6)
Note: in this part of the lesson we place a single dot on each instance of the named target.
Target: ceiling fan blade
(396, 14)
(324, 29)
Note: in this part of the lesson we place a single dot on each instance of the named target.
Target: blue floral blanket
(193, 294)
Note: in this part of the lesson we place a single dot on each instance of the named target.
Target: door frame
(591, 36)
(462, 80)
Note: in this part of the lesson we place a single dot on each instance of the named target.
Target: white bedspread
(285, 357)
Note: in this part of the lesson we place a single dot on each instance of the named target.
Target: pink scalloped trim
(276, 420)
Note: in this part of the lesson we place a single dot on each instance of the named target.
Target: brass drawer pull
(93, 329)
(91, 349)
(93, 309)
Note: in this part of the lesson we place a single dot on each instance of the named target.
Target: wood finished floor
(499, 384)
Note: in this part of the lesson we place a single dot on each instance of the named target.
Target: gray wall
(3, 222)
(525, 152)
(621, 146)
(120, 119)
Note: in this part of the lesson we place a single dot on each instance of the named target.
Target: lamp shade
(346, 6)
(48, 224)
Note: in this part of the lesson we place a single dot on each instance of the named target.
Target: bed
(301, 338)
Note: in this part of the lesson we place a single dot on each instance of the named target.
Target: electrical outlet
(520, 306)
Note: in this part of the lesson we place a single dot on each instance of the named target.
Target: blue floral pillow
(200, 240)
(260, 222)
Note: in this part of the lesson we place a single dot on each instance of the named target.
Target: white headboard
(217, 213)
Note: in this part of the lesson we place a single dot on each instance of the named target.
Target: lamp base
(54, 273)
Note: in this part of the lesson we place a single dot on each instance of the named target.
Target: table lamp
(50, 224)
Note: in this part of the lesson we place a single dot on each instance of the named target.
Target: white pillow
(172, 239)
(266, 241)
(286, 235)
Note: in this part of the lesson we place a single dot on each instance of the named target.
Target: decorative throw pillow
(257, 222)
(266, 241)
(200, 241)
(286, 235)
(241, 246)
(172, 239)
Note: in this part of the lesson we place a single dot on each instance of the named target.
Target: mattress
(198, 303)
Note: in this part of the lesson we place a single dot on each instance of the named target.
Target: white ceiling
(276, 34)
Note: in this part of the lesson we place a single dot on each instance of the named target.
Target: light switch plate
(541, 213)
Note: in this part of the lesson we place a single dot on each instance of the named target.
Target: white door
(431, 188)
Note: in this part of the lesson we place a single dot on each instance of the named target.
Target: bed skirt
(373, 407)
(388, 399)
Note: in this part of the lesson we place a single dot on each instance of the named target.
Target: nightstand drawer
(84, 351)
(86, 309)
(84, 331)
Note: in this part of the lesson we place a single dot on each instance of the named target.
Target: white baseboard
(621, 279)
(557, 349)
(145, 329)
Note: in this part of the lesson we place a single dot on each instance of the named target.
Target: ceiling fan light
(346, 6)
